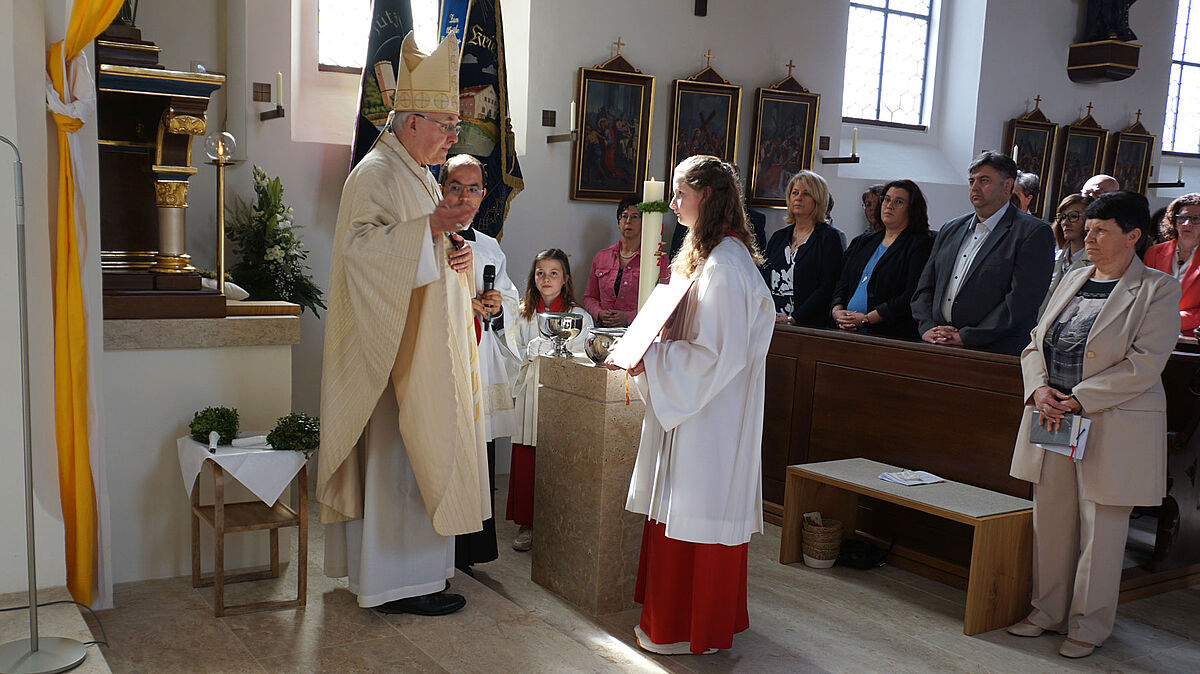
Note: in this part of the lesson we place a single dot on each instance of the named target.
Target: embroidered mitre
(427, 83)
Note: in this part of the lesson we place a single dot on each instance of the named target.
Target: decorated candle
(652, 190)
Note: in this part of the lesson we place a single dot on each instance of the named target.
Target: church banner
(390, 22)
(483, 96)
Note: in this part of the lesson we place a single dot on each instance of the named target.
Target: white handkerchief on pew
(909, 478)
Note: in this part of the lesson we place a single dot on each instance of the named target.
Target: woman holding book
(1097, 352)
(698, 474)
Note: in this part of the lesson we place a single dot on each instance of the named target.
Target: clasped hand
(943, 334)
(1053, 404)
(848, 320)
(611, 318)
(487, 303)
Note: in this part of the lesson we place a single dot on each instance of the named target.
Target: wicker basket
(820, 545)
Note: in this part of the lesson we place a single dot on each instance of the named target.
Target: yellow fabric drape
(88, 19)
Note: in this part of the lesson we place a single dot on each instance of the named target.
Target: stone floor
(801, 620)
(59, 620)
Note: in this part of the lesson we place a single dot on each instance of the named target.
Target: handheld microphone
(489, 283)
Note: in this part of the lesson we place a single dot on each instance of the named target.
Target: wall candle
(1014, 155)
(652, 190)
(279, 90)
(1179, 173)
(572, 116)
(854, 142)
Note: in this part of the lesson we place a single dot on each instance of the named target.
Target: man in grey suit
(989, 270)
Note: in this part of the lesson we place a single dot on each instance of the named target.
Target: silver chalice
(561, 327)
(600, 342)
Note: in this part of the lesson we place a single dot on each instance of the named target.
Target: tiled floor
(801, 620)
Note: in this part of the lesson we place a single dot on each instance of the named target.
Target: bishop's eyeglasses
(446, 127)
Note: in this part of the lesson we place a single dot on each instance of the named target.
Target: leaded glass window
(887, 49)
(1181, 130)
(343, 26)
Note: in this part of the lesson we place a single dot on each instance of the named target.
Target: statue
(1107, 20)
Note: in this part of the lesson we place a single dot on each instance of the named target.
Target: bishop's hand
(446, 218)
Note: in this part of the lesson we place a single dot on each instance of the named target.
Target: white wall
(23, 120)
(995, 56)
(145, 412)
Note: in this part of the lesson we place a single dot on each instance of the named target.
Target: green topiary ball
(223, 420)
(296, 432)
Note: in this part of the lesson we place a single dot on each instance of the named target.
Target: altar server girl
(698, 476)
(548, 288)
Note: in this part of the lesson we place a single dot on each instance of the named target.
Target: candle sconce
(562, 137)
(852, 159)
(272, 114)
(1177, 183)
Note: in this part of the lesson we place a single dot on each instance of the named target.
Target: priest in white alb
(462, 179)
(698, 474)
(402, 465)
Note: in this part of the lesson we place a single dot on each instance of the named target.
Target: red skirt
(694, 592)
(520, 485)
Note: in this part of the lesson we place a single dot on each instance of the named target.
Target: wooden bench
(998, 580)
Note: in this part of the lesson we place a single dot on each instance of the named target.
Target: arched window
(1181, 130)
(887, 59)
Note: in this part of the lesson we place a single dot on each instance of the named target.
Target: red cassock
(694, 592)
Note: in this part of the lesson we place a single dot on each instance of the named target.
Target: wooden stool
(225, 518)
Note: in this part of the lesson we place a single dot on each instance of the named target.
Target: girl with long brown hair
(548, 288)
(698, 476)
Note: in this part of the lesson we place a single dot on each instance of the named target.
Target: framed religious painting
(612, 149)
(1128, 157)
(1080, 156)
(783, 142)
(1031, 137)
(704, 118)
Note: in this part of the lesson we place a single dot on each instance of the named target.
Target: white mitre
(427, 83)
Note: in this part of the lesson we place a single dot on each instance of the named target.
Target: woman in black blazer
(882, 270)
(804, 259)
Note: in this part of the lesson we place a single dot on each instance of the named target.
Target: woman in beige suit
(1098, 350)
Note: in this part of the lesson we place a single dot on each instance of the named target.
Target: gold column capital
(171, 193)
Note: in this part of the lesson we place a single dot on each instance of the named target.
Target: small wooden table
(226, 518)
(999, 577)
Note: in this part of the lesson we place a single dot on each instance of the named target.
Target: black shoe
(436, 603)
(465, 568)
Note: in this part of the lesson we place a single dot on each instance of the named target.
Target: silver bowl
(600, 342)
(562, 328)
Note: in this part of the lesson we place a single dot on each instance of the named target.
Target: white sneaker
(524, 539)
(677, 648)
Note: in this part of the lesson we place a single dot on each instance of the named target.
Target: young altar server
(698, 475)
(548, 288)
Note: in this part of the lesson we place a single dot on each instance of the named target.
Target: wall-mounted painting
(1128, 158)
(704, 118)
(785, 125)
(1032, 135)
(613, 148)
(1080, 156)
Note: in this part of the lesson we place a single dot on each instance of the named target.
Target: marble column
(586, 544)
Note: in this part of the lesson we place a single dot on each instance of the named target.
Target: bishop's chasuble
(385, 322)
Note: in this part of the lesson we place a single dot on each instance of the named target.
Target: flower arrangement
(223, 420)
(272, 264)
(296, 432)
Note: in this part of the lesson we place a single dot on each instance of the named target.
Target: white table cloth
(265, 472)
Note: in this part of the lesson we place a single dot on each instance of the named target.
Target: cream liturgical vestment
(698, 468)
(406, 462)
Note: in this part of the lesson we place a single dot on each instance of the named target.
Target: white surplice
(699, 464)
(530, 345)
(496, 347)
